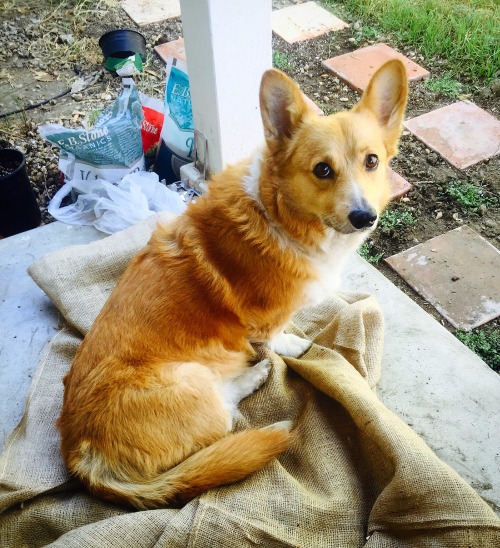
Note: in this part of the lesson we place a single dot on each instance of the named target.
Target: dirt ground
(45, 49)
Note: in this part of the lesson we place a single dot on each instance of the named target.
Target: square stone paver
(458, 273)
(313, 105)
(174, 48)
(356, 68)
(399, 185)
(304, 21)
(144, 12)
(462, 133)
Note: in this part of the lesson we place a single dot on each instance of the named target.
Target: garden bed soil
(8, 166)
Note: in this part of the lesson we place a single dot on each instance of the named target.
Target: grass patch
(280, 60)
(445, 85)
(393, 219)
(368, 252)
(485, 342)
(466, 32)
(470, 196)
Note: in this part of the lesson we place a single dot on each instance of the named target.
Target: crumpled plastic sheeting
(111, 208)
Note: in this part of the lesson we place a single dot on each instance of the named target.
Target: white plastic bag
(111, 208)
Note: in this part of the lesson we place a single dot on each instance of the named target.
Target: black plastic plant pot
(19, 210)
(123, 43)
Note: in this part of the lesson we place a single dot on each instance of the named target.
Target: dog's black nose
(362, 218)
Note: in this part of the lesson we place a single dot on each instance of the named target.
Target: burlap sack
(355, 476)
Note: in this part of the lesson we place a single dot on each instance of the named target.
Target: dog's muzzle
(362, 218)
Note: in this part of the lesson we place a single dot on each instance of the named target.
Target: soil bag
(111, 149)
(151, 126)
(177, 135)
(113, 207)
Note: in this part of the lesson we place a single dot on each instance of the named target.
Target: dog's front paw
(287, 344)
(248, 382)
(260, 371)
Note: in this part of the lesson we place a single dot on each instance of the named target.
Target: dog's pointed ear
(282, 106)
(386, 97)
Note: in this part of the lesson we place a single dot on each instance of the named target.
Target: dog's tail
(229, 459)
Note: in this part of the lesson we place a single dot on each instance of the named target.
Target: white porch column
(228, 47)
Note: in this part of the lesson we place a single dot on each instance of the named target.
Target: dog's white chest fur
(328, 264)
(327, 261)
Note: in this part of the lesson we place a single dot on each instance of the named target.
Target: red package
(153, 110)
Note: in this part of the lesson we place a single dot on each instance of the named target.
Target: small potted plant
(19, 209)
(124, 51)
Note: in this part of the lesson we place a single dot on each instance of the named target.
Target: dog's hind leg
(238, 388)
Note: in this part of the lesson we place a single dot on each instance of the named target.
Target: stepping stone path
(399, 185)
(313, 105)
(145, 12)
(462, 133)
(174, 48)
(357, 67)
(457, 272)
(304, 21)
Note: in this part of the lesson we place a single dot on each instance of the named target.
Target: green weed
(151, 82)
(470, 196)
(368, 253)
(445, 85)
(466, 33)
(327, 110)
(485, 342)
(92, 116)
(366, 32)
(392, 219)
(280, 60)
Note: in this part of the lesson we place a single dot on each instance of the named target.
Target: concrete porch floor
(432, 381)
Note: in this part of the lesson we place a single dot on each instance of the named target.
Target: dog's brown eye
(371, 161)
(323, 171)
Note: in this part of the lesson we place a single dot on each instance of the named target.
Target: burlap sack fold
(356, 475)
(79, 279)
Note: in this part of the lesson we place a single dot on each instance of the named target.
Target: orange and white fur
(153, 390)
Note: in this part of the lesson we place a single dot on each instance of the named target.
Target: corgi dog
(153, 390)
